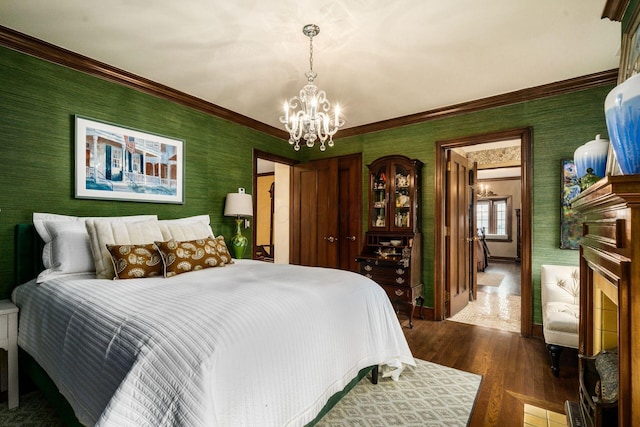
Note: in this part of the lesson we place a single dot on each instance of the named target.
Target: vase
(592, 154)
(622, 111)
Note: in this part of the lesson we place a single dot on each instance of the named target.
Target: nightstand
(9, 342)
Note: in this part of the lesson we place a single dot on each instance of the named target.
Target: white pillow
(40, 218)
(189, 228)
(69, 250)
(107, 232)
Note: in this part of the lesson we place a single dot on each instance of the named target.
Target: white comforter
(250, 344)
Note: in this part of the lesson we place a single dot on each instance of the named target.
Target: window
(493, 214)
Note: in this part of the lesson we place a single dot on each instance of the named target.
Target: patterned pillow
(182, 257)
(135, 261)
(607, 368)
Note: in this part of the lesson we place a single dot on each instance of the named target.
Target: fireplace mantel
(610, 251)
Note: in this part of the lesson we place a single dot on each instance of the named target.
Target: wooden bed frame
(28, 264)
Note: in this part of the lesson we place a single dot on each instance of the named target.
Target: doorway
(272, 194)
(442, 262)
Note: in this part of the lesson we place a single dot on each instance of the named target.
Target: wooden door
(457, 222)
(315, 224)
(327, 212)
(473, 231)
(349, 211)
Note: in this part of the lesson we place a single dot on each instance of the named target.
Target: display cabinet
(391, 254)
(393, 194)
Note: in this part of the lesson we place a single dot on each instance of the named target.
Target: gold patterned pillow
(135, 261)
(182, 257)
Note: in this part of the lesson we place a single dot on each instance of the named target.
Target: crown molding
(29, 45)
(26, 44)
(529, 94)
(614, 9)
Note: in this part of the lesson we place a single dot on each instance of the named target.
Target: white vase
(622, 111)
(592, 154)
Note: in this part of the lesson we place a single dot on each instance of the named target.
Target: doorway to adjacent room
(508, 284)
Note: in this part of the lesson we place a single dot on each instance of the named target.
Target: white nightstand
(9, 342)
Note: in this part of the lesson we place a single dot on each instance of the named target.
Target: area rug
(428, 395)
(490, 279)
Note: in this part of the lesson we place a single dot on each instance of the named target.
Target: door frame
(526, 181)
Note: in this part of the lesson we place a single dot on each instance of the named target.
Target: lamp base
(238, 242)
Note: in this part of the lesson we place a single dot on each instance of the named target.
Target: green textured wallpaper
(38, 101)
(560, 124)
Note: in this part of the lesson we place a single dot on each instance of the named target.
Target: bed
(249, 343)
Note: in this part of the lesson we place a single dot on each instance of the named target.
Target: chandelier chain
(311, 54)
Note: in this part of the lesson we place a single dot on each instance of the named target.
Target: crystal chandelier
(306, 116)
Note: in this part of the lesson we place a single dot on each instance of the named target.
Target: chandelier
(307, 116)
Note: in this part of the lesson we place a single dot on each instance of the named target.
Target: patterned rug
(428, 395)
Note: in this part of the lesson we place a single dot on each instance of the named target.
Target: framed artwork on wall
(118, 163)
(570, 223)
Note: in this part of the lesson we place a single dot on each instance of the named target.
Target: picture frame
(570, 220)
(114, 162)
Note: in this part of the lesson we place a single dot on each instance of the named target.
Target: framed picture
(570, 222)
(118, 163)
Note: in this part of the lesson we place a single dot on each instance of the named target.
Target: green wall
(560, 124)
(38, 101)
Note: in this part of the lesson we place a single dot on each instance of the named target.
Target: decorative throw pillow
(135, 261)
(181, 257)
(222, 249)
(607, 367)
(103, 233)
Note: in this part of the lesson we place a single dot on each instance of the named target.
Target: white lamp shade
(238, 204)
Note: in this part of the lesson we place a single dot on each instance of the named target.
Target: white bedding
(249, 344)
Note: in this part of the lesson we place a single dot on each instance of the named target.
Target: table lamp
(239, 205)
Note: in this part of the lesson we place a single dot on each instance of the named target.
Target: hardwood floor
(515, 370)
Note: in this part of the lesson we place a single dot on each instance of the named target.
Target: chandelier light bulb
(307, 116)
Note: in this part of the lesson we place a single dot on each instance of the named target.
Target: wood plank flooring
(515, 370)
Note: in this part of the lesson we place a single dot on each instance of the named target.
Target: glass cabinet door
(379, 198)
(402, 198)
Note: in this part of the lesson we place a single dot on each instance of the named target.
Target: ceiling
(379, 59)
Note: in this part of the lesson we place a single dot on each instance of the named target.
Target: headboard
(28, 253)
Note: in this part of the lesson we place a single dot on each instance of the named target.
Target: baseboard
(536, 330)
(427, 313)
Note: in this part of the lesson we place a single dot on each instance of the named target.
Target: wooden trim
(427, 313)
(43, 50)
(551, 89)
(526, 137)
(614, 9)
(536, 330)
